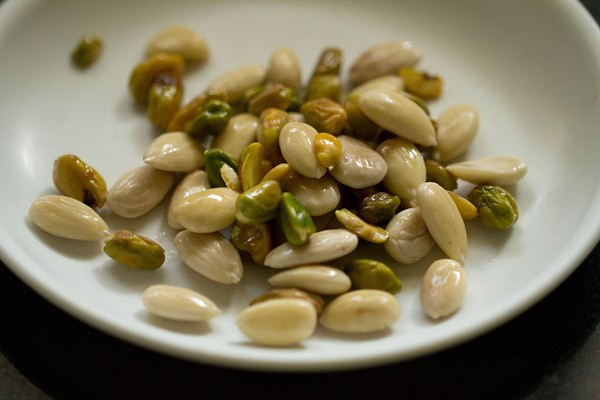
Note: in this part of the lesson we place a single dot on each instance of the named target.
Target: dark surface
(551, 351)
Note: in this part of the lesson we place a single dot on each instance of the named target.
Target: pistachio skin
(497, 208)
(87, 51)
(254, 238)
(295, 219)
(372, 274)
(145, 74)
(378, 208)
(325, 115)
(75, 178)
(211, 119)
(135, 251)
(437, 172)
(164, 98)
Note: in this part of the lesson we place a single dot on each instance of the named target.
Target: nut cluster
(265, 169)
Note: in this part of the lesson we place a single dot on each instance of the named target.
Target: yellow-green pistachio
(325, 115)
(296, 142)
(239, 133)
(284, 67)
(327, 86)
(189, 110)
(497, 208)
(88, 50)
(457, 127)
(68, 218)
(438, 173)
(360, 165)
(164, 99)
(330, 62)
(75, 178)
(234, 83)
(443, 288)
(384, 58)
(271, 122)
(254, 238)
(135, 251)
(174, 151)
(291, 292)
(253, 165)
(208, 210)
(465, 207)
(318, 195)
(145, 74)
(362, 127)
(372, 274)
(361, 311)
(328, 150)
(211, 119)
(178, 303)
(274, 95)
(421, 83)
(495, 170)
(378, 208)
(295, 219)
(278, 173)
(368, 232)
(180, 40)
(214, 159)
(259, 203)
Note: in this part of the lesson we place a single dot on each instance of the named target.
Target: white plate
(531, 67)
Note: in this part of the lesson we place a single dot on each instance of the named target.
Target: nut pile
(298, 175)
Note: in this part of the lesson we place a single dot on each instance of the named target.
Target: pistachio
(496, 207)
(495, 170)
(295, 219)
(239, 133)
(328, 150)
(214, 159)
(456, 129)
(360, 166)
(208, 210)
(273, 95)
(284, 67)
(259, 203)
(135, 251)
(325, 115)
(372, 274)
(193, 182)
(318, 196)
(361, 311)
(87, 51)
(75, 178)
(296, 141)
(278, 173)
(406, 168)
(270, 124)
(438, 173)
(328, 86)
(421, 83)
(211, 255)
(211, 119)
(363, 230)
(321, 247)
(292, 293)
(174, 151)
(409, 239)
(178, 303)
(361, 126)
(378, 208)
(278, 322)
(145, 74)
(254, 163)
(179, 40)
(254, 238)
(164, 98)
(138, 191)
(319, 279)
(235, 82)
(443, 288)
(443, 220)
(189, 110)
(398, 114)
(68, 218)
(466, 209)
(384, 58)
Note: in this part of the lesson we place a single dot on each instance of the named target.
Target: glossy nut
(443, 288)
(259, 203)
(328, 150)
(178, 304)
(145, 74)
(75, 178)
(318, 196)
(180, 40)
(296, 221)
(360, 165)
(135, 251)
(438, 173)
(284, 67)
(292, 293)
(211, 118)
(253, 238)
(273, 95)
(269, 128)
(87, 51)
(325, 115)
(421, 83)
(189, 110)
(253, 165)
(465, 207)
(296, 141)
(365, 231)
(409, 239)
(208, 210)
(457, 127)
(384, 58)
(193, 182)
(319, 279)
(164, 99)
(174, 151)
(372, 274)
(378, 208)
(214, 159)
(496, 207)
(234, 83)
(239, 133)
(495, 170)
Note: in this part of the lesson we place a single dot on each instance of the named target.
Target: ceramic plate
(530, 67)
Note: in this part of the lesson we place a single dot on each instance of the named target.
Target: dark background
(551, 351)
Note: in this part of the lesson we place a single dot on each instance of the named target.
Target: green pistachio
(213, 161)
(87, 51)
(362, 127)
(188, 111)
(295, 219)
(496, 206)
(146, 72)
(270, 123)
(164, 99)
(378, 208)
(254, 238)
(372, 274)
(330, 62)
(259, 203)
(274, 95)
(135, 251)
(76, 179)
(421, 83)
(253, 165)
(436, 172)
(324, 86)
(324, 115)
(211, 119)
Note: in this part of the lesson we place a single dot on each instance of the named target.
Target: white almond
(496, 170)
(68, 218)
(443, 288)
(284, 67)
(319, 279)
(179, 40)
(211, 255)
(360, 165)
(456, 129)
(178, 303)
(409, 239)
(384, 58)
(239, 133)
(296, 141)
(208, 210)
(318, 195)
(193, 182)
(321, 247)
(398, 114)
(174, 151)
(234, 83)
(405, 167)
